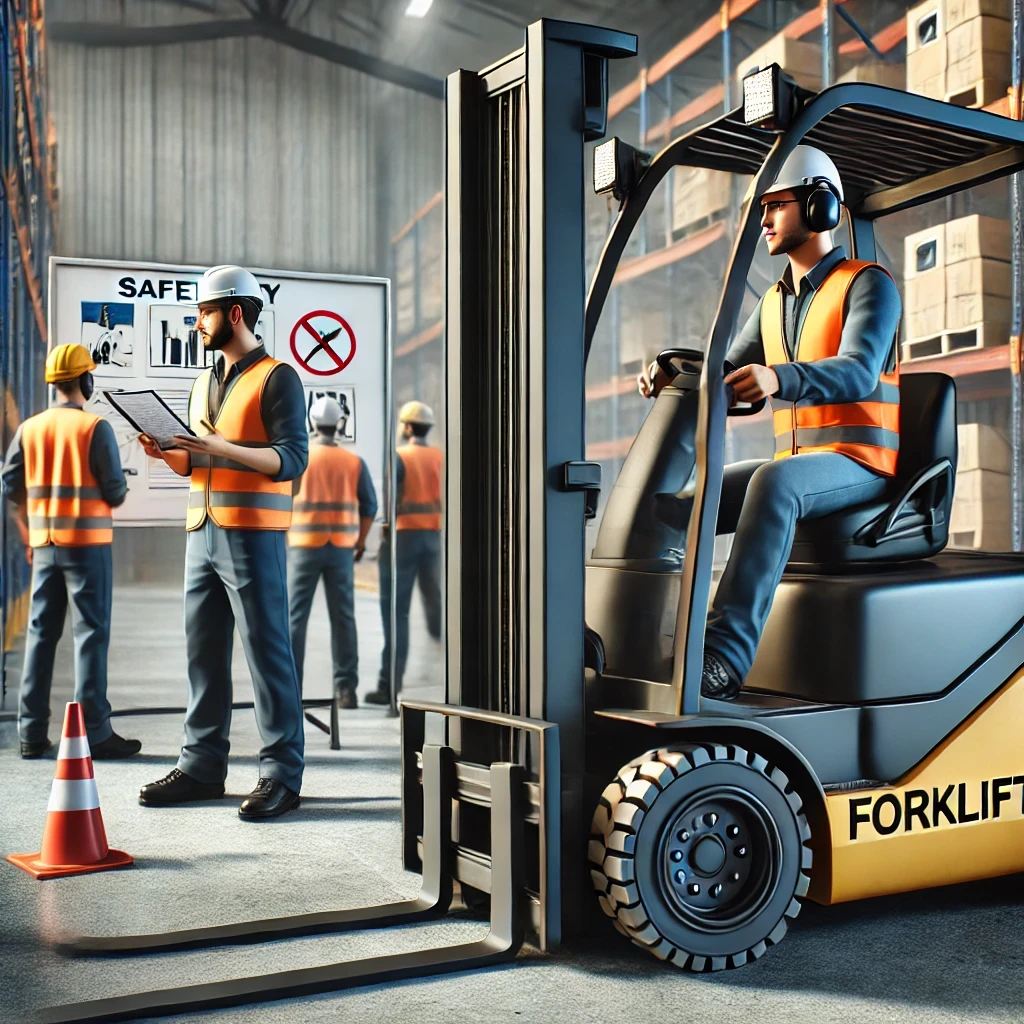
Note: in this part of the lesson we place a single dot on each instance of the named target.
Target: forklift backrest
(911, 520)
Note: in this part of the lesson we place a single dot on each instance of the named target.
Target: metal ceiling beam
(106, 34)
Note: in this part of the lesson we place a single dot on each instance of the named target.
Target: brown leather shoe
(347, 700)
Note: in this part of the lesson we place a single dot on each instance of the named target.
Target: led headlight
(617, 168)
(769, 98)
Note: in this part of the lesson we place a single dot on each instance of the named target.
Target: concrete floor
(942, 956)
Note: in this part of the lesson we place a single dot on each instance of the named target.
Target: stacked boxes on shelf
(405, 285)
(431, 266)
(800, 60)
(959, 50)
(877, 72)
(957, 285)
(981, 498)
(699, 197)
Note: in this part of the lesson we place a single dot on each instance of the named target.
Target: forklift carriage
(873, 749)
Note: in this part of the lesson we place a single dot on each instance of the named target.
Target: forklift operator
(821, 344)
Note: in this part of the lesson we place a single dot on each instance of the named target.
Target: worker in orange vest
(417, 543)
(63, 474)
(248, 415)
(332, 513)
(822, 345)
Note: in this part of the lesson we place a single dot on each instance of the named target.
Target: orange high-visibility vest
(65, 505)
(235, 496)
(419, 506)
(867, 431)
(326, 509)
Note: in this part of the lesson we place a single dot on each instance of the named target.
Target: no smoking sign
(323, 343)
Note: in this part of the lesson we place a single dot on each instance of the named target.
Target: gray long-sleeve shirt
(104, 461)
(866, 347)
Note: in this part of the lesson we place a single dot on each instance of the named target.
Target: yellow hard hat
(416, 412)
(68, 362)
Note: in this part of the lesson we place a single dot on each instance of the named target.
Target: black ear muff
(822, 209)
(86, 385)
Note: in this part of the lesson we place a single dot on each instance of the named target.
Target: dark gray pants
(305, 568)
(418, 559)
(776, 496)
(83, 573)
(239, 576)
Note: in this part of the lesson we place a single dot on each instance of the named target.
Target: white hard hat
(229, 282)
(325, 412)
(416, 412)
(801, 168)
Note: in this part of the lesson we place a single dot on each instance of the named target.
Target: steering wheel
(689, 362)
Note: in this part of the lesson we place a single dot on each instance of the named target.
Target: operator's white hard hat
(228, 282)
(416, 412)
(802, 166)
(325, 412)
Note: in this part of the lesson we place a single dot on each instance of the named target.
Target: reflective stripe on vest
(867, 431)
(419, 504)
(326, 509)
(65, 504)
(233, 495)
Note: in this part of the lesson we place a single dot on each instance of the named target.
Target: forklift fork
(502, 942)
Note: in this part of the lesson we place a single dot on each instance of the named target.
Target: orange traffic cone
(74, 840)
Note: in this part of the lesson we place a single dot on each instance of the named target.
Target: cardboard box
(925, 25)
(959, 11)
(979, 276)
(969, 237)
(979, 36)
(924, 251)
(925, 303)
(877, 72)
(980, 516)
(800, 60)
(926, 71)
(698, 193)
(982, 447)
(964, 311)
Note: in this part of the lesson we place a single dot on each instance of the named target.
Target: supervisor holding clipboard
(247, 414)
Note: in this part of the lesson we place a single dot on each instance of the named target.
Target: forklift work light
(617, 168)
(769, 98)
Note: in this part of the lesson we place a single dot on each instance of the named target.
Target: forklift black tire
(700, 853)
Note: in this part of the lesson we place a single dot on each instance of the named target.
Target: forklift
(873, 748)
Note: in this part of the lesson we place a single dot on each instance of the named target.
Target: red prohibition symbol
(315, 342)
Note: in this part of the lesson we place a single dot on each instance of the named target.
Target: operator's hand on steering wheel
(753, 382)
(650, 380)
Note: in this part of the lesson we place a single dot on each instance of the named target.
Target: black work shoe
(178, 788)
(717, 679)
(270, 799)
(346, 699)
(378, 697)
(34, 748)
(114, 747)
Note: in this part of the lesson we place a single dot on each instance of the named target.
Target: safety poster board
(138, 321)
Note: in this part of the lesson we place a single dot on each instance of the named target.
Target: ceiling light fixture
(417, 8)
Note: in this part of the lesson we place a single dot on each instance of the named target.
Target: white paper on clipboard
(149, 414)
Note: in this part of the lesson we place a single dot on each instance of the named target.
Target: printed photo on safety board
(108, 332)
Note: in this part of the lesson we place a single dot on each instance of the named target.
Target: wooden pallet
(980, 94)
(944, 343)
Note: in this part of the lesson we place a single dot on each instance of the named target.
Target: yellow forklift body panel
(956, 817)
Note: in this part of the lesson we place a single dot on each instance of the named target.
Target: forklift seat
(911, 519)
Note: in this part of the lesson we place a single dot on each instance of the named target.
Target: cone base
(30, 862)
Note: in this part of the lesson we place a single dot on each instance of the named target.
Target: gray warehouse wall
(238, 150)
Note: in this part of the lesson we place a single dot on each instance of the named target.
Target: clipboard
(161, 418)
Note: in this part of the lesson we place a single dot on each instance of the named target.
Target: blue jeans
(85, 574)
(335, 565)
(239, 577)
(779, 495)
(417, 559)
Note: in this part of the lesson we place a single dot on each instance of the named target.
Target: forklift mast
(518, 488)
